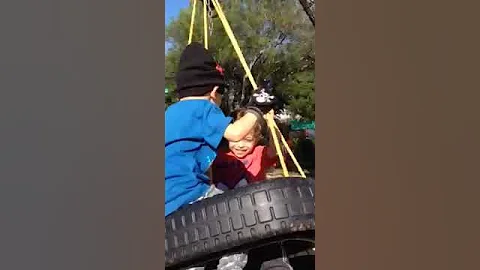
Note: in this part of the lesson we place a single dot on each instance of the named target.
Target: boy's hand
(260, 116)
(255, 111)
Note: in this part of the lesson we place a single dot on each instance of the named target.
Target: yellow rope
(205, 26)
(192, 20)
(230, 34)
(299, 168)
(271, 125)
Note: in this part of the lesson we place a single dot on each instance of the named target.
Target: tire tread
(236, 217)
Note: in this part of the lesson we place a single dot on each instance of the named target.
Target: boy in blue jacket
(194, 127)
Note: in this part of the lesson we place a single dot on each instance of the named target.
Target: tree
(309, 8)
(277, 40)
(169, 97)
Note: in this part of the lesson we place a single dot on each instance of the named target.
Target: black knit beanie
(198, 72)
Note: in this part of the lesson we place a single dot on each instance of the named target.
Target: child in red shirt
(244, 161)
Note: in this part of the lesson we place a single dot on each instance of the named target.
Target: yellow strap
(299, 168)
(205, 25)
(192, 20)
(271, 125)
(230, 34)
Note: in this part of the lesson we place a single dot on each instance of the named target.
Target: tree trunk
(307, 7)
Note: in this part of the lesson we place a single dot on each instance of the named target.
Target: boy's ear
(214, 92)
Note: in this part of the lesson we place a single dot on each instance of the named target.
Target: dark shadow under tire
(238, 220)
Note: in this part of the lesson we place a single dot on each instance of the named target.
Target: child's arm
(240, 128)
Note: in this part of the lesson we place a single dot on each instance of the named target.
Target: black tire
(239, 219)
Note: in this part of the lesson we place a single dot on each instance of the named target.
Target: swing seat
(247, 219)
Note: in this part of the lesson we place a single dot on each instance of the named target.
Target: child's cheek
(251, 147)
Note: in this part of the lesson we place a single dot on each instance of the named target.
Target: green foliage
(277, 41)
(300, 95)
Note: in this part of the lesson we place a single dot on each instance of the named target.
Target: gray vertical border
(162, 139)
(318, 138)
(398, 127)
(81, 135)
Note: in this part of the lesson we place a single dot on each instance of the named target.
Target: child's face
(243, 147)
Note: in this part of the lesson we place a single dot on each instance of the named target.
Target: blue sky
(172, 8)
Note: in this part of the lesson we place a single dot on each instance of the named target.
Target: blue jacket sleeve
(215, 125)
